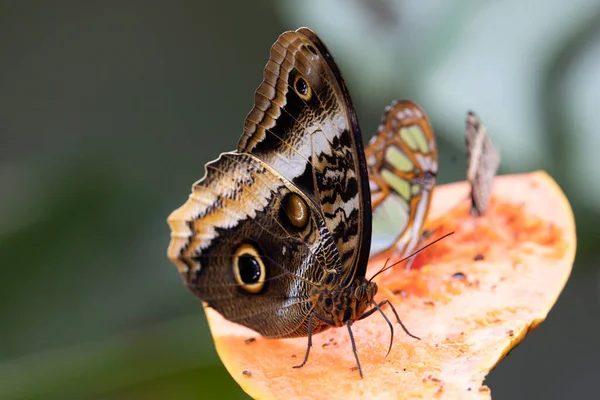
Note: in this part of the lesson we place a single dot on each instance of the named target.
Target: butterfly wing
(483, 160)
(402, 164)
(250, 244)
(303, 124)
(273, 220)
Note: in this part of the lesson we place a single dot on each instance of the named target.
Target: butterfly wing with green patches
(402, 163)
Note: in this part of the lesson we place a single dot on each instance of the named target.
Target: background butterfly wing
(236, 211)
(402, 164)
(483, 160)
(303, 124)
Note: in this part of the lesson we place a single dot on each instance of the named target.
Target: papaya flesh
(471, 298)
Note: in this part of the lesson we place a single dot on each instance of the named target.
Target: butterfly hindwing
(241, 207)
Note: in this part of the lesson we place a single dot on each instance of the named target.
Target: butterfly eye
(301, 88)
(248, 268)
(295, 210)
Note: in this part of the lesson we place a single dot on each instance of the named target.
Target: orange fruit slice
(470, 298)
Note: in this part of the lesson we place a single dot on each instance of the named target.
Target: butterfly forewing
(303, 124)
(402, 164)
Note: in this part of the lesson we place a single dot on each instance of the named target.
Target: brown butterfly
(483, 160)
(276, 235)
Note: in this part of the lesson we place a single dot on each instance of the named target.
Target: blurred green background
(109, 111)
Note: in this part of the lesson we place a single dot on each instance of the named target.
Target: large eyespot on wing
(303, 124)
(483, 160)
(250, 244)
(402, 162)
(249, 268)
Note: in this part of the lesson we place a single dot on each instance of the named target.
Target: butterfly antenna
(385, 268)
(382, 268)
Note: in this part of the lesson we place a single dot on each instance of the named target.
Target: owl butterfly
(483, 160)
(276, 235)
(403, 164)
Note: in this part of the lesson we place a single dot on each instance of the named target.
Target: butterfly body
(340, 305)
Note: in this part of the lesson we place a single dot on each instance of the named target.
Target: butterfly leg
(310, 327)
(386, 301)
(310, 319)
(349, 325)
(409, 263)
(426, 234)
(377, 307)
